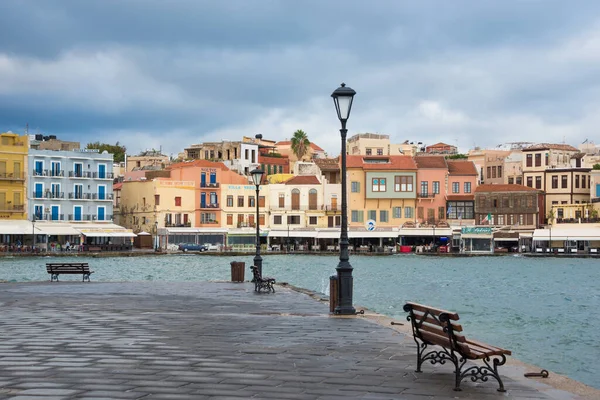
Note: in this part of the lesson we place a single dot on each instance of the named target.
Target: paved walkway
(200, 340)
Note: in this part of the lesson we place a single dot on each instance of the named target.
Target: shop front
(476, 240)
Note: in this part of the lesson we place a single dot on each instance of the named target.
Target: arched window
(295, 199)
(312, 199)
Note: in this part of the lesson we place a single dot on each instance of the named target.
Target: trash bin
(333, 293)
(237, 271)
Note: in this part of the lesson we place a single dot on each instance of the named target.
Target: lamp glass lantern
(342, 98)
(257, 175)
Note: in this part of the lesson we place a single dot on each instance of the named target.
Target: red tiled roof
(504, 188)
(440, 144)
(328, 164)
(289, 143)
(460, 197)
(303, 180)
(550, 146)
(431, 162)
(118, 186)
(459, 167)
(199, 163)
(392, 162)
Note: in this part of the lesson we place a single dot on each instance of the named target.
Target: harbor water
(543, 309)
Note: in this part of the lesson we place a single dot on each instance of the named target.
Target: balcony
(80, 196)
(49, 217)
(209, 185)
(576, 220)
(89, 217)
(176, 225)
(301, 207)
(12, 176)
(209, 205)
(49, 195)
(246, 225)
(49, 173)
(80, 174)
(105, 175)
(426, 195)
(16, 208)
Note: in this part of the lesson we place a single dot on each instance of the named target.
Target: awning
(123, 233)
(17, 227)
(292, 233)
(196, 230)
(473, 236)
(328, 234)
(373, 234)
(506, 239)
(425, 232)
(567, 234)
(60, 230)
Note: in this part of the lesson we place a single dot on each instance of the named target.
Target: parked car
(192, 247)
(212, 247)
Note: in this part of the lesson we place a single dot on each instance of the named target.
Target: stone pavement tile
(215, 391)
(115, 394)
(48, 392)
(173, 396)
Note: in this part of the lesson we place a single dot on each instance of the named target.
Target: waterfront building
(51, 142)
(432, 189)
(240, 156)
(13, 164)
(375, 144)
(285, 149)
(513, 168)
(239, 214)
(462, 181)
(441, 148)
(70, 185)
(149, 158)
(558, 171)
(490, 164)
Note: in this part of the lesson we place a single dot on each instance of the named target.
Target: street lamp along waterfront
(257, 175)
(342, 99)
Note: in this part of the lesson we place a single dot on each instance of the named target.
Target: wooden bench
(433, 326)
(55, 269)
(261, 282)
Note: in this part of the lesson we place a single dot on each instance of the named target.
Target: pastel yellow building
(13, 162)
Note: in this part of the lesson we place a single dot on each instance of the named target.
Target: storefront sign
(239, 187)
(472, 230)
(370, 225)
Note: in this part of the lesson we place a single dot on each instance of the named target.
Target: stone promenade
(202, 340)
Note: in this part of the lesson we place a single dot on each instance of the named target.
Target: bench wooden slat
(438, 330)
(433, 310)
(443, 341)
(487, 347)
(457, 327)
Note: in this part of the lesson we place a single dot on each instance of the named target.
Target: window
(261, 201)
(500, 219)
(529, 160)
(576, 182)
(563, 181)
(229, 219)
(357, 216)
(493, 171)
(383, 216)
(281, 200)
(436, 187)
(178, 201)
(355, 187)
(379, 152)
(538, 182)
(495, 203)
(505, 201)
(519, 180)
(378, 184)
(368, 152)
(530, 181)
(455, 187)
(538, 160)
(261, 219)
(293, 220)
(277, 220)
(420, 212)
(408, 212)
(403, 183)
(240, 201)
(397, 212)
(229, 201)
(372, 214)
(441, 213)
(489, 172)
(424, 188)
(554, 181)
(560, 213)
(157, 199)
(312, 220)
(251, 201)
(547, 157)
(467, 187)
(461, 209)
(499, 171)
(529, 201)
(511, 180)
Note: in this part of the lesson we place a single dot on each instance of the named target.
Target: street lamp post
(342, 99)
(33, 233)
(257, 175)
(156, 235)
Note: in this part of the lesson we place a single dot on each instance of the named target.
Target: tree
(596, 166)
(117, 150)
(300, 144)
(457, 157)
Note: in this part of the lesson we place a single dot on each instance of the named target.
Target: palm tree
(300, 144)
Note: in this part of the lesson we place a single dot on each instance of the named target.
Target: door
(39, 168)
(39, 190)
(203, 180)
(295, 199)
(597, 189)
(213, 198)
(3, 201)
(39, 212)
(330, 222)
(101, 171)
(251, 220)
(101, 192)
(17, 169)
(213, 178)
(202, 200)
(2, 169)
(334, 203)
(55, 168)
(78, 191)
(56, 191)
(17, 203)
(79, 170)
(101, 214)
(54, 214)
(77, 213)
(312, 199)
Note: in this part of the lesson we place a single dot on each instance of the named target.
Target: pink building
(431, 186)
(462, 181)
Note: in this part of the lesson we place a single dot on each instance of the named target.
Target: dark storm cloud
(465, 70)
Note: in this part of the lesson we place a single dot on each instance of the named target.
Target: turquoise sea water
(543, 309)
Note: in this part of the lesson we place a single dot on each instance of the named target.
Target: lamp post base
(258, 263)
(345, 289)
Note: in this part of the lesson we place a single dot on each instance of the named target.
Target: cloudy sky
(151, 73)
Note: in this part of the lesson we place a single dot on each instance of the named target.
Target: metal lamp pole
(257, 175)
(342, 99)
(33, 233)
(156, 233)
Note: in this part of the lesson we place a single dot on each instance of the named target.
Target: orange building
(208, 177)
(462, 181)
(432, 188)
